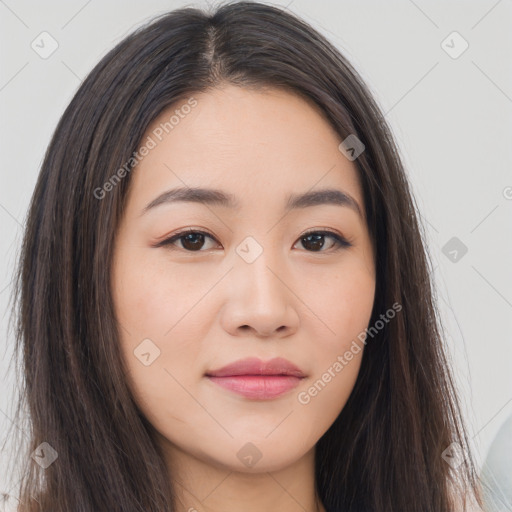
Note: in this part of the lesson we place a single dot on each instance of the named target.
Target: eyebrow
(217, 197)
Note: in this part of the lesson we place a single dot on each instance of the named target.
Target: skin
(206, 308)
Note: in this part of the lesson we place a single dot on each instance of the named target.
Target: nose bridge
(258, 263)
(257, 297)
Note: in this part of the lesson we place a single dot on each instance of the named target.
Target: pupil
(190, 239)
(316, 242)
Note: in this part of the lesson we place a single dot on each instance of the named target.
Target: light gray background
(452, 119)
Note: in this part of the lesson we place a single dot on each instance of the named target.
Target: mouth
(256, 379)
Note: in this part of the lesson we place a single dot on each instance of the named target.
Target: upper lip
(255, 366)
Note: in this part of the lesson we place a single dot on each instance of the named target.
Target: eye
(192, 240)
(314, 240)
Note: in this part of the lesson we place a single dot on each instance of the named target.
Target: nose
(259, 300)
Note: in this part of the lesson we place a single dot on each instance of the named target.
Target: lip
(257, 379)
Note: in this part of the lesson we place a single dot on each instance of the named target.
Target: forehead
(250, 143)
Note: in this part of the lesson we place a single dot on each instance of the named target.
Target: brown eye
(314, 241)
(191, 240)
(194, 240)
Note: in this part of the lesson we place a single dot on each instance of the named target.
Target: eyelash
(341, 242)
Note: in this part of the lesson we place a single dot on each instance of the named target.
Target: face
(254, 274)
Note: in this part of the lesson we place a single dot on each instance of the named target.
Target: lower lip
(259, 387)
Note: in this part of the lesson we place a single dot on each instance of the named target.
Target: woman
(224, 294)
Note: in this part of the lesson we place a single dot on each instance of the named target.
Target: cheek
(155, 304)
(153, 294)
(343, 304)
(345, 309)
(328, 390)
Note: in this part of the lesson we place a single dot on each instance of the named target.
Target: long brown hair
(384, 452)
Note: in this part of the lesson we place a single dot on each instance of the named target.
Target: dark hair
(384, 451)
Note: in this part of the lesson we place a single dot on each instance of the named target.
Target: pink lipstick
(257, 379)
